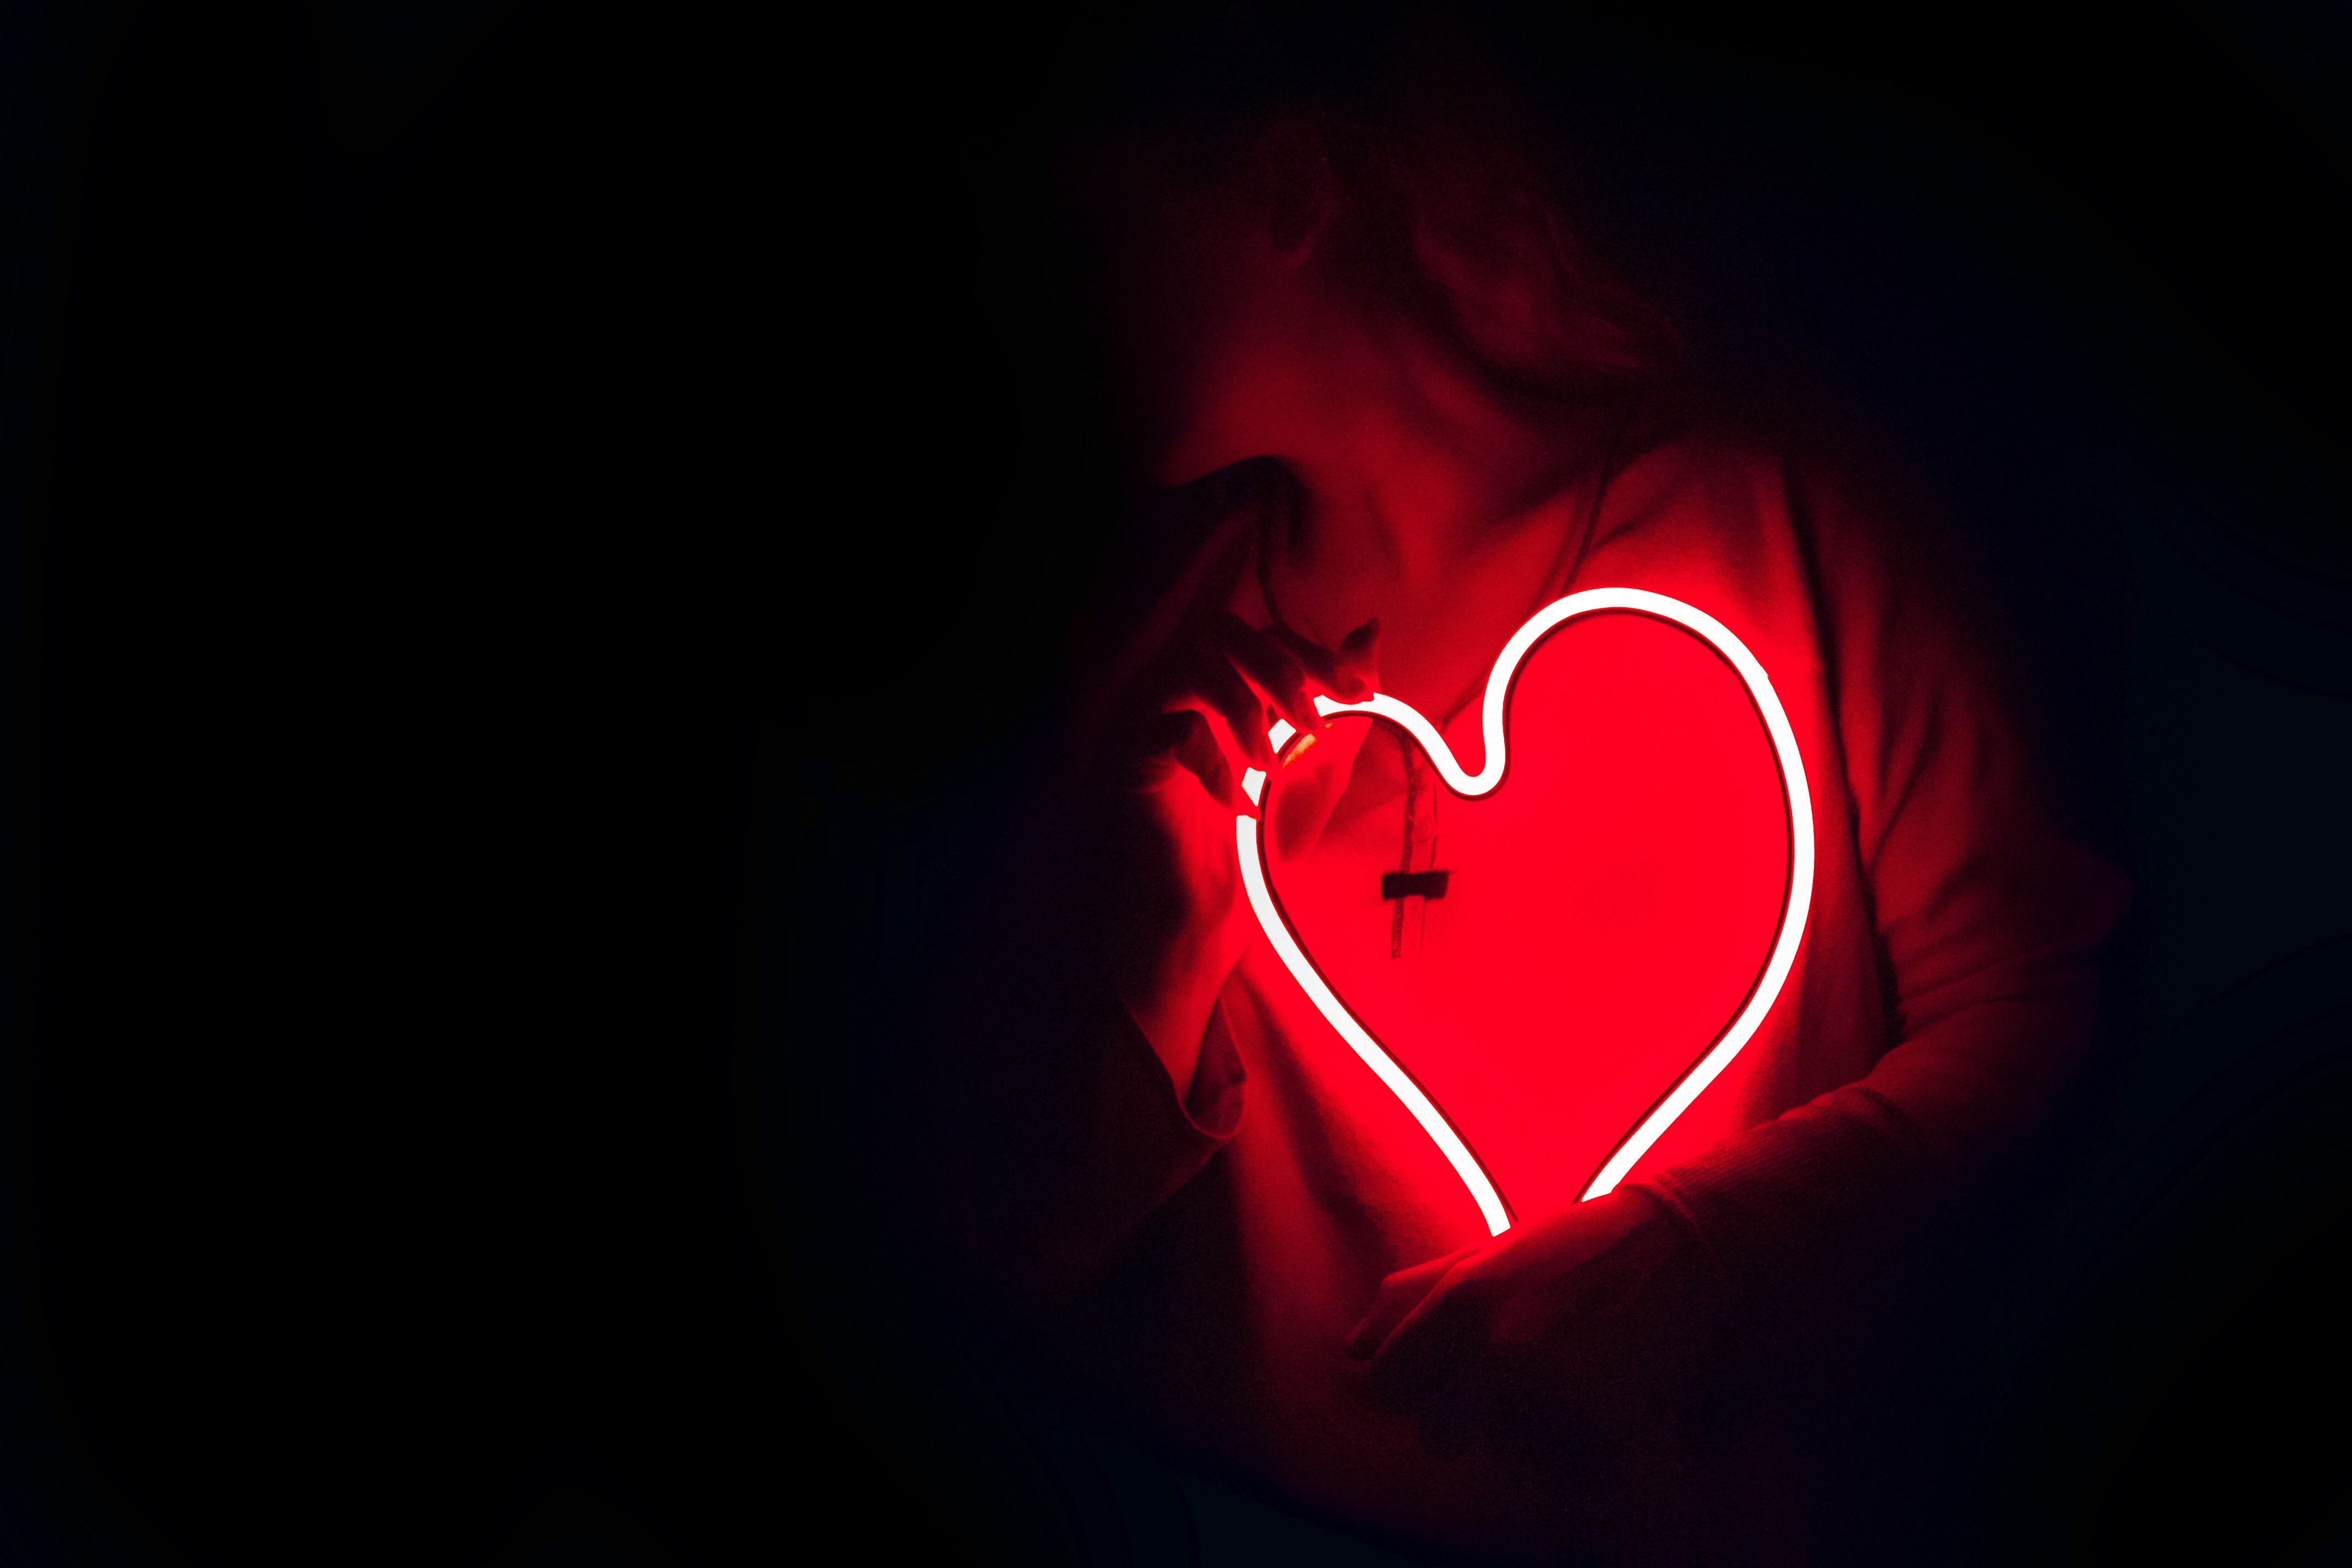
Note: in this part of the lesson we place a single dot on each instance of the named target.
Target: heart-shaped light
(1713, 1056)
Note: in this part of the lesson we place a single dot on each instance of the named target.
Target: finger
(1399, 1293)
(1322, 665)
(1277, 677)
(1360, 661)
(1223, 692)
(1203, 754)
(1436, 1339)
(1346, 673)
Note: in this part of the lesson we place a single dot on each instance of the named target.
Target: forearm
(1064, 1133)
(1938, 1118)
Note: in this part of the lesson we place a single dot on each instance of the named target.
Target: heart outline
(1795, 910)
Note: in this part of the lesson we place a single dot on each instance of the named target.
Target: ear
(1301, 192)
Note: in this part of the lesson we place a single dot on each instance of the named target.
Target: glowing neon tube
(1433, 1121)
(1794, 914)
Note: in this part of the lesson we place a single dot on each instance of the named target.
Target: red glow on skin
(1601, 905)
(1618, 925)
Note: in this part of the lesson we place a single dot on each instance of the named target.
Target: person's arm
(1090, 1073)
(1989, 919)
(1055, 1126)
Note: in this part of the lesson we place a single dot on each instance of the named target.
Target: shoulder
(1738, 471)
(1806, 538)
(1696, 435)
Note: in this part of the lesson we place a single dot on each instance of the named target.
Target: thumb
(1359, 659)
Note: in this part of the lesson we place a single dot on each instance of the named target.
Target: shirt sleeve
(1988, 921)
(1078, 1139)
(1055, 1130)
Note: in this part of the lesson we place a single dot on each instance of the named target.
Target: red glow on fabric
(1610, 910)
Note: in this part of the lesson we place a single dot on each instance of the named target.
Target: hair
(1448, 197)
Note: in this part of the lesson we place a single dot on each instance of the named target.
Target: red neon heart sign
(1600, 1035)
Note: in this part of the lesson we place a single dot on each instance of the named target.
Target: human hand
(1176, 921)
(1559, 1336)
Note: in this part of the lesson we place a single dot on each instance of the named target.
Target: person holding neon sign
(1400, 412)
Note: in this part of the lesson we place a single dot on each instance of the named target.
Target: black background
(535, 532)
